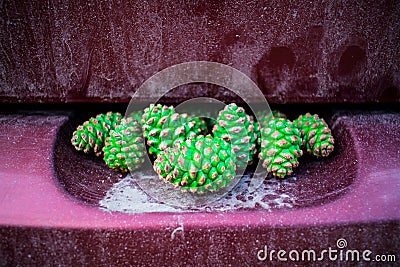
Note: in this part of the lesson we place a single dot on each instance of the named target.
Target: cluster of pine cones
(187, 156)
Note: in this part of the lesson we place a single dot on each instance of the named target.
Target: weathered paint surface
(330, 51)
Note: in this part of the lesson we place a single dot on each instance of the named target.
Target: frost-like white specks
(126, 196)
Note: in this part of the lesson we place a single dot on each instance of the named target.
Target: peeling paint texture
(54, 51)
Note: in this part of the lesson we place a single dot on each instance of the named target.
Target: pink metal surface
(31, 197)
(41, 224)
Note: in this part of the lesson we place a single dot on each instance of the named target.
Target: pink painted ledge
(31, 197)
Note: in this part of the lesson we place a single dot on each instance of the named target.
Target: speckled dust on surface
(126, 196)
(88, 52)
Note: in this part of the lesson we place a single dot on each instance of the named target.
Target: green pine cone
(110, 119)
(124, 148)
(317, 138)
(264, 117)
(280, 147)
(194, 125)
(162, 127)
(235, 126)
(205, 115)
(137, 115)
(198, 164)
(89, 137)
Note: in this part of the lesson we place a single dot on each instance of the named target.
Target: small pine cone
(89, 137)
(280, 147)
(137, 115)
(317, 138)
(163, 127)
(124, 148)
(199, 164)
(264, 117)
(194, 125)
(235, 126)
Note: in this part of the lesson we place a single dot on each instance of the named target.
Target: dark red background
(297, 52)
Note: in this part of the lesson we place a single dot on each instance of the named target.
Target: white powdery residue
(126, 196)
(267, 196)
